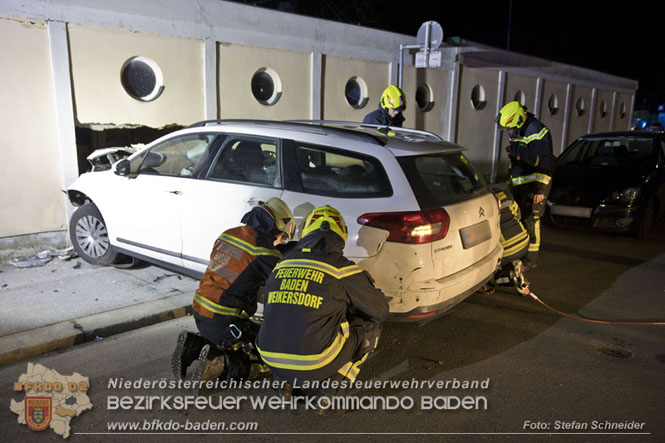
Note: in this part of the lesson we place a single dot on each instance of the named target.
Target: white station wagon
(422, 221)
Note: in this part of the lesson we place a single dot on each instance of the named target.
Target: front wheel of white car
(89, 236)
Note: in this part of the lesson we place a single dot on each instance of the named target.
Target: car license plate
(570, 211)
(475, 234)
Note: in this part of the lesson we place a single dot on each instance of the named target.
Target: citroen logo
(481, 212)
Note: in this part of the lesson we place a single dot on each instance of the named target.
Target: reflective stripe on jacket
(239, 264)
(308, 298)
(532, 157)
(308, 362)
(514, 237)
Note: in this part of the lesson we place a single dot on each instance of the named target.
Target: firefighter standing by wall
(390, 109)
(241, 260)
(322, 312)
(531, 165)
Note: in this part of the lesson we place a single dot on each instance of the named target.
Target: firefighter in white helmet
(241, 260)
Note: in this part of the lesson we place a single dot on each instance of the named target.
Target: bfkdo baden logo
(51, 399)
(38, 412)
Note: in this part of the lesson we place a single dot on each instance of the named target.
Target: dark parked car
(611, 182)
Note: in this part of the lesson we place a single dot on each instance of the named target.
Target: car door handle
(175, 192)
(254, 201)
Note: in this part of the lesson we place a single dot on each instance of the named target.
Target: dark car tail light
(413, 227)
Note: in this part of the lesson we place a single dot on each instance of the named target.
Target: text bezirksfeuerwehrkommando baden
(261, 402)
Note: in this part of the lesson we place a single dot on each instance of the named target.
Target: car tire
(646, 228)
(89, 236)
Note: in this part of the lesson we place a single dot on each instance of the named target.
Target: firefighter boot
(521, 284)
(209, 365)
(187, 350)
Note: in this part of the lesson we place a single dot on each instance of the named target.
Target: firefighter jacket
(382, 118)
(240, 262)
(310, 296)
(531, 156)
(514, 237)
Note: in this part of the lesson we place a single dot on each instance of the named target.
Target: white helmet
(280, 212)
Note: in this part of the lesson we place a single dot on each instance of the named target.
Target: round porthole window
(478, 100)
(424, 98)
(602, 109)
(266, 86)
(579, 106)
(553, 104)
(520, 98)
(355, 92)
(142, 79)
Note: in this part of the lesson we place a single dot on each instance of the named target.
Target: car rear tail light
(413, 227)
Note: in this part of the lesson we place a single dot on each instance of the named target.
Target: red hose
(591, 320)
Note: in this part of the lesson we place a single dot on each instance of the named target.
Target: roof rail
(288, 125)
(238, 120)
(358, 125)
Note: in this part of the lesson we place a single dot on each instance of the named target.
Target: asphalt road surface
(539, 377)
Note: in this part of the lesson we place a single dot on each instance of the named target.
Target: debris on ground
(43, 258)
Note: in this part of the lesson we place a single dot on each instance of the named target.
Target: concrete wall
(97, 56)
(580, 107)
(237, 66)
(475, 127)
(31, 181)
(336, 71)
(623, 111)
(602, 114)
(554, 97)
(437, 80)
(520, 84)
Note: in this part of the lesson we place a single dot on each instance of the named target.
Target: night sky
(619, 38)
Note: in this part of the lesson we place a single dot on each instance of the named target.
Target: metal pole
(510, 19)
(427, 28)
(401, 65)
(402, 47)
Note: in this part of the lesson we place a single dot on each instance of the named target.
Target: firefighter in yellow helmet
(532, 163)
(390, 109)
(322, 312)
(241, 261)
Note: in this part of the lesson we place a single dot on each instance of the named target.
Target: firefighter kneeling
(322, 315)
(240, 262)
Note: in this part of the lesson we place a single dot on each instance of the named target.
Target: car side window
(247, 160)
(327, 171)
(176, 157)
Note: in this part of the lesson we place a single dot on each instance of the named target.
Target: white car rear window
(442, 179)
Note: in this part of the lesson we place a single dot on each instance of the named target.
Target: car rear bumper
(601, 218)
(428, 298)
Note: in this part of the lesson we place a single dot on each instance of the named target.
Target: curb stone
(68, 333)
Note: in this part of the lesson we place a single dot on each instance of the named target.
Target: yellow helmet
(393, 98)
(280, 212)
(328, 214)
(512, 115)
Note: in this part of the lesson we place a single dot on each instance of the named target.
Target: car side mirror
(121, 167)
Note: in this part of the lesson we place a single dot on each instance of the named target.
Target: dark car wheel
(646, 228)
(89, 236)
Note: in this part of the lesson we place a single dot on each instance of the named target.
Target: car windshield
(442, 179)
(615, 151)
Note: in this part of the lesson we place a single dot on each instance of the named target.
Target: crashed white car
(421, 219)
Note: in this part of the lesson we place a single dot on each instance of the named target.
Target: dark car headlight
(627, 197)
